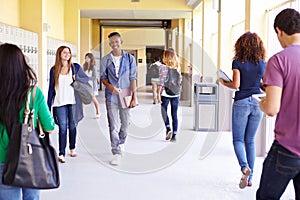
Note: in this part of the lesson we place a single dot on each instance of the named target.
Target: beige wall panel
(72, 24)
(7, 16)
(55, 19)
(95, 35)
(85, 38)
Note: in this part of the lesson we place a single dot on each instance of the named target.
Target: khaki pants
(154, 82)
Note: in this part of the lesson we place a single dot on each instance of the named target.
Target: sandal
(73, 153)
(244, 180)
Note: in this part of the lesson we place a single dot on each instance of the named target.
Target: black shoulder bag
(31, 161)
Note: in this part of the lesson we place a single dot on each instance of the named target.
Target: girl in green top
(16, 77)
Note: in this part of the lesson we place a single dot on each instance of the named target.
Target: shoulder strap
(41, 132)
(74, 72)
(129, 58)
(106, 66)
(27, 109)
(74, 69)
(168, 74)
(130, 61)
(32, 99)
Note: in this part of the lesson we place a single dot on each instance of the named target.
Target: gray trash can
(206, 96)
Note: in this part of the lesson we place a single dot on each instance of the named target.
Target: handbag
(31, 161)
(85, 90)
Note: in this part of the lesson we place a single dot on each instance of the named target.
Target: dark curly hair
(249, 47)
(288, 20)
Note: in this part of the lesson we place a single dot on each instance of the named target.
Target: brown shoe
(244, 180)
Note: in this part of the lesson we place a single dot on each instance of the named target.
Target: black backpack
(173, 82)
(154, 71)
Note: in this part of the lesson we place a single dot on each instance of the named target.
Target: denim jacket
(127, 72)
(82, 77)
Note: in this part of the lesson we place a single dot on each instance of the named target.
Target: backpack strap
(168, 74)
(130, 62)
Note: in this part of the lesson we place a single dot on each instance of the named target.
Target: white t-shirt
(117, 62)
(64, 93)
(89, 73)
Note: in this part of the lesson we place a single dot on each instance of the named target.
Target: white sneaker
(116, 159)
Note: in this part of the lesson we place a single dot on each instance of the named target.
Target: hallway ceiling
(135, 14)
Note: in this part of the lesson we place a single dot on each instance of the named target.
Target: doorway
(151, 53)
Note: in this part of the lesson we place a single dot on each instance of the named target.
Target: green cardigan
(40, 110)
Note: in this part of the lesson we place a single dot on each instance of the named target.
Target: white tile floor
(201, 165)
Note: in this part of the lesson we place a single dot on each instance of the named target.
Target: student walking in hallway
(154, 72)
(64, 101)
(16, 78)
(169, 89)
(248, 67)
(89, 67)
(118, 74)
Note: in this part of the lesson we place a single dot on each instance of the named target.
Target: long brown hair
(58, 63)
(89, 66)
(249, 47)
(16, 76)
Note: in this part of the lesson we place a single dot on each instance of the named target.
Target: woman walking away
(169, 90)
(66, 104)
(248, 69)
(89, 67)
(16, 78)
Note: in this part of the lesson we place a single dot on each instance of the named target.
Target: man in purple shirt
(282, 84)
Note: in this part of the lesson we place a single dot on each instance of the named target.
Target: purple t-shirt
(283, 70)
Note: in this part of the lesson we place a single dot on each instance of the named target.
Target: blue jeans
(64, 119)
(246, 117)
(280, 166)
(16, 193)
(118, 122)
(174, 108)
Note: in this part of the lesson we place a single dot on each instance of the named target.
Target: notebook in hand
(127, 100)
(125, 97)
(258, 97)
(223, 76)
